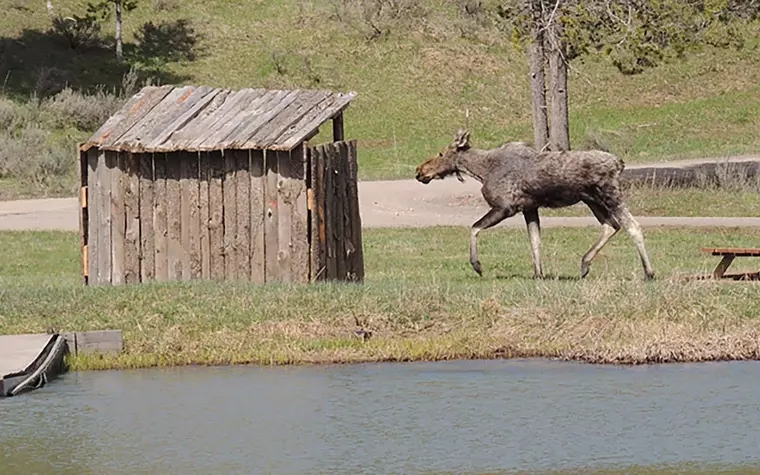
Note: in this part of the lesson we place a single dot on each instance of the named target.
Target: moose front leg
(534, 233)
(492, 218)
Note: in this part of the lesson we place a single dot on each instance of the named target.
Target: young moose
(516, 178)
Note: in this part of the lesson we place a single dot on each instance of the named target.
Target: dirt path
(393, 203)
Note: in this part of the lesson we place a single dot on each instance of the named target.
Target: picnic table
(729, 254)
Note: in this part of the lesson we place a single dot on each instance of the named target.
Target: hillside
(414, 81)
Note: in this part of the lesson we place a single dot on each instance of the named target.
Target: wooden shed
(190, 182)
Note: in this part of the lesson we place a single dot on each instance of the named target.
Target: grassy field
(421, 301)
(414, 81)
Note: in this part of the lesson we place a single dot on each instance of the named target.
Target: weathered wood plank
(186, 111)
(732, 251)
(317, 204)
(205, 176)
(97, 341)
(94, 217)
(147, 235)
(285, 203)
(216, 213)
(104, 203)
(132, 212)
(331, 265)
(196, 266)
(288, 117)
(132, 140)
(339, 197)
(185, 185)
(135, 108)
(240, 138)
(249, 110)
(160, 222)
(243, 240)
(170, 110)
(235, 105)
(271, 241)
(258, 213)
(118, 216)
(230, 216)
(82, 161)
(249, 106)
(299, 226)
(357, 258)
(313, 120)
(173, 216)
(180, 139)
(308, 120)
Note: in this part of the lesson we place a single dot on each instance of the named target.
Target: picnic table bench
(729, 254)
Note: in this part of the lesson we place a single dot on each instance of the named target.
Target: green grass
(415, 83)
(421, 301)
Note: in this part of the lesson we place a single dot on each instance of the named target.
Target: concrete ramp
(29, 361)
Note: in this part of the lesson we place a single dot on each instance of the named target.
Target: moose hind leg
(634, 230)
(610, 227)
(534, 233)
(493, 217)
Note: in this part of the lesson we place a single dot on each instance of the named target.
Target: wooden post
(83, 232)
(147, 204)
(271, 225)
(229, 215)
(93, 217)
(258, 212)
(338, 127)
(317, 213)
(356, 261)
(299, 222)
(723, 265)
(243, 214)
(340, 157)
(160, 220)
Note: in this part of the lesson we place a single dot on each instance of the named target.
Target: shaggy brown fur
(516, 178)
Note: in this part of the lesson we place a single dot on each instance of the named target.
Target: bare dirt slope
(393, 203)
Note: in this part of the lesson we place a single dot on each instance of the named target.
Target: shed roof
(189, 118)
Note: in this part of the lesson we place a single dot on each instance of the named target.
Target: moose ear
(462, 139)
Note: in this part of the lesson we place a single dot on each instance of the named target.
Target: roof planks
(189, 118)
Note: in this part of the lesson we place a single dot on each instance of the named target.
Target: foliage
(76, 31)
(638, 34)
(104, 8)
(375, 19)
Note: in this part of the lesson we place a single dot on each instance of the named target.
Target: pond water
(467, 417)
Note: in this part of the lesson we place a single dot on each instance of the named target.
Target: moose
(517, 178)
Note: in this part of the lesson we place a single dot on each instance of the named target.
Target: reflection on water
(451, 417)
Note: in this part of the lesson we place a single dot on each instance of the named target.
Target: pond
(466, 417)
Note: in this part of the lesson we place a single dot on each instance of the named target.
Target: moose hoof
(649, 276)
(478, 268)
(584, 269)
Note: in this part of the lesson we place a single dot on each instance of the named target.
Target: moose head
(445, 163)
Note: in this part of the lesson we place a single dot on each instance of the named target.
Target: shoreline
(435, 351)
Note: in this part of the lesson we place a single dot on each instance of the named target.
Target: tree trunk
(119, 46)
(559, 136)
(537, 59)
(538, 92)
